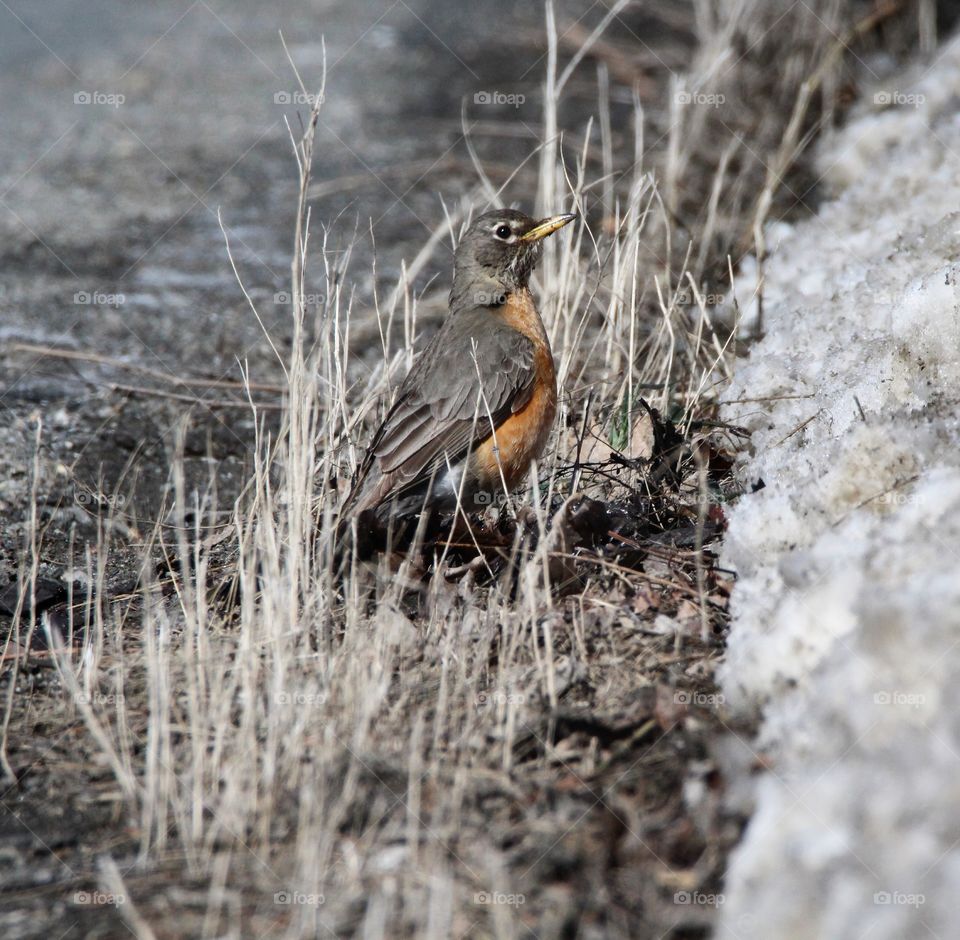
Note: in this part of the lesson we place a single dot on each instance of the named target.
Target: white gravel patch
(846, 616)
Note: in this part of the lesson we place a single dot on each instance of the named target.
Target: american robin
(478, 405)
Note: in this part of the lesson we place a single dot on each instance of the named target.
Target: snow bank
(846, 631)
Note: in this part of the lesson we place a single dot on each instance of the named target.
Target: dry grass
(520, 748)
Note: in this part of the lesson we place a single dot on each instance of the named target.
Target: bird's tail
(356, 524)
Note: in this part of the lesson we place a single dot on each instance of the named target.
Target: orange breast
(522, 437)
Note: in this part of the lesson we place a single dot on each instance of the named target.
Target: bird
(479, 403)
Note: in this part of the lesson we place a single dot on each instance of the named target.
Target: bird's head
(497, 254)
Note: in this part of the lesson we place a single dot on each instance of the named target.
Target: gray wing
(440, 414)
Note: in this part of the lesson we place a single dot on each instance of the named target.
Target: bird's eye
(503, 231)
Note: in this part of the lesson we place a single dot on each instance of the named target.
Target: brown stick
(52, 352)
(193, 399)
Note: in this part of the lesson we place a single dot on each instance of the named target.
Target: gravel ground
(123, 136)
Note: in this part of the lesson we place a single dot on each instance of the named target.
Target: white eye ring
(503, 232)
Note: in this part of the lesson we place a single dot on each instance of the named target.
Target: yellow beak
(547, 227)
